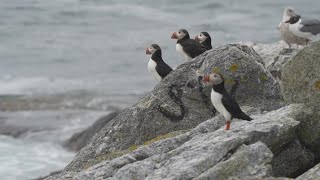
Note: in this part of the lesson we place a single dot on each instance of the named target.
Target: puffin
(285, 33)
(156, 66)
(205, 39)
(305, 28)
(188, 48)
(222, 101)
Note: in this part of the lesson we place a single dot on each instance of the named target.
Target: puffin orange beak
(196, 38)
(174, 36)
(147, 51)
(205, 79)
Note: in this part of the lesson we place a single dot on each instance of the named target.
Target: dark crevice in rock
(177, 99)
(230, 153)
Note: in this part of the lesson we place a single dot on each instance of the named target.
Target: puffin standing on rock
(205, 39)
(156, 66)
(222, 101)
(188, 48)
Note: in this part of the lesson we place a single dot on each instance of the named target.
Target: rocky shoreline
(172, 133)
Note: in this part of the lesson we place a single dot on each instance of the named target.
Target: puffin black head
(180, 34)
(153, 48)
(293, 19)
(213, 78)
(202, 37)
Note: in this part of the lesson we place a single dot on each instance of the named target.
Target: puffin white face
(213, 78)
(200, 38)
(152, 48)
(179, 34)
(288, 13)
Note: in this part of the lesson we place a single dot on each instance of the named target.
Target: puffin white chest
(152, 69)
(216, 99)
(180, 50)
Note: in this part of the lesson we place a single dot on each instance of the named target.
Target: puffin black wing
(192, 47)
(163, 69)
(232, 107)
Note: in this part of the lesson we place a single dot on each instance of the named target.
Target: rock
(255, 178)
(312, 174)
(284, 56)
(253, 160)
(268, 52)
(292, 161)
(179, 103)
(79, 140)
(244, 151)
(301, 77)
(301, 84)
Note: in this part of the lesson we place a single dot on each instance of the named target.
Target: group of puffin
(189, 49)
(292, 28)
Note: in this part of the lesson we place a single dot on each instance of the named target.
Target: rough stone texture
(268, 52)
(312, 174)
(177, 104)
(284, 56)
(301, 77)
(301, 84)
(79, 140)
(257, 178)
(206, 150)
(253, 160)
(292, 161)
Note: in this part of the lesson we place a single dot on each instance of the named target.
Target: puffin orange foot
(227, 125)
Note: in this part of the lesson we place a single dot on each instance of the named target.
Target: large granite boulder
(180, 102)
(301, 84)
(204, 152)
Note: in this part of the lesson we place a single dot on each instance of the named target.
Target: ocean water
(64, 63)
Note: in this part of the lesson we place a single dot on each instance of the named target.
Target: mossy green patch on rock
(263, 77)
(234, 67)
(165, 136)
(317, 85)
(216, 70)
(109, 156)
(104, 157)
(229, 81)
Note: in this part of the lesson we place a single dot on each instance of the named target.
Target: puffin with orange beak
(188, 48)
(156, 66)
(205, 39)
(222, 101)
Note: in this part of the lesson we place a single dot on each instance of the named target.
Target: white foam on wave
(39, 85)
(27, 159)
